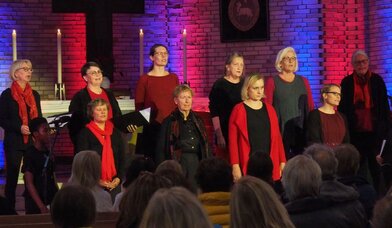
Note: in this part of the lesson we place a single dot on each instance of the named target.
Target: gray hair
(16, 65)
(301, 177)
(356, 53)
(282, 53)
(86, 169)
(325, 158)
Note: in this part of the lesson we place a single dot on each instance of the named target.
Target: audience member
(215, 179)
(73, 207)
(255, 204)
(38, 169)
(86, 171)
(348, 164)
(176, 178)
(138, 165)
(224, 94)
(136, 198)
(302, 181)
(174, 208)
(170, 164)
(382, 213)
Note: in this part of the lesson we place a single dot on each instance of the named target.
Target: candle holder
(59, 91)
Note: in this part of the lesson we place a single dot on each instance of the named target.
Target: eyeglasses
(289, 59)
(335, 93)
(95, 73)
(161, 53)
(365, 61)
(26, 69)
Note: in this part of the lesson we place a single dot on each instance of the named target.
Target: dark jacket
(78, 108)
(86, 140)
(11, 122)
(169, 136)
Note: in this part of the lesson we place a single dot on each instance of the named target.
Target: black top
(189, 140)
(86, 140)
(33, 162)
(259, 129)
(11, 122)
(223, 97)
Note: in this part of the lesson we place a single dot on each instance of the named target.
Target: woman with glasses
(18, 105)
(93, 76)
(292, 99)
(154, 89)
(325, 124)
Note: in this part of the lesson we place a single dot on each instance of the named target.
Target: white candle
(14, 53)
(184, 55)
(59, 61)
(141, 46)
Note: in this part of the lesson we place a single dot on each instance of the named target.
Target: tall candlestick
(141, 46)
(184, 56)
(59, 60)
(14, 53)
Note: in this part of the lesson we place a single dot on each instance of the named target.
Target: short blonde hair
(282, 53)
(249, 81)
(16, 65)
(182, 88)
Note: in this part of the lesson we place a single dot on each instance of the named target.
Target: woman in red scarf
(18, 105)
(101, 136)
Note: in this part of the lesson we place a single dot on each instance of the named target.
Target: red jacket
(239, 146)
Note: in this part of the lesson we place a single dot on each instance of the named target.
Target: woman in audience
(101, 136)
(253, 127)
(382, 213)
(73, 206)
(326, 124)
(154, 90)
(225, 93)
(18, 105)
(292, 99)
(174, 208)
(136, 198)
(86, 171)
(255, 204)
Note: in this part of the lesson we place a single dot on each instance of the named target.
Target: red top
(157, 93)
(239, 146)
(333, 127)
(104, 96)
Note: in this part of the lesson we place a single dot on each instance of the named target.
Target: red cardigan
(239, 146)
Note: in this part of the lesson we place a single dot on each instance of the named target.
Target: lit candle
(141, 62)
(59, 62)
(14, 54)
(184, 55)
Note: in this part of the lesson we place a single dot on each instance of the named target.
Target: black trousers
(13, 161)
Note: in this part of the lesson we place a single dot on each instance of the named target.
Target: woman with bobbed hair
(18, 105)
(86, 172)
(292, 99)
(326, 124)
(254, 203)
(174, 208)
(253, 127)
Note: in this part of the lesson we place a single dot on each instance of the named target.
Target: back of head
(175, 178)
(260, 166)
(348, 160)
(169, 164)
(73, 206)
(138, 165)
(137, 196)
(86, 169)
(382, 213)
(301, 177)
(325, 158)
(214, 175)
(255, 204)
(174, 208)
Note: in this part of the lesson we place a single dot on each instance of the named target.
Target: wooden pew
(103, 219)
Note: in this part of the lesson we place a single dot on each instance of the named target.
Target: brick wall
(324, 33)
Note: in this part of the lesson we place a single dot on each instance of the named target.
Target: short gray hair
(282, 53)
(16, 65)
(356, 53)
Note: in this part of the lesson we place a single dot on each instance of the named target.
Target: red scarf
(363, 101)
(24, 98)
(108, 167)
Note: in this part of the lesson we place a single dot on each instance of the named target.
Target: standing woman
(101, 136)
(253, 127)
(292, 99)
(225, 93)
(325, 124)
(154, 90)
(18, 105)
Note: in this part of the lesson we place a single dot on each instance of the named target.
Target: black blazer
(11, 122)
